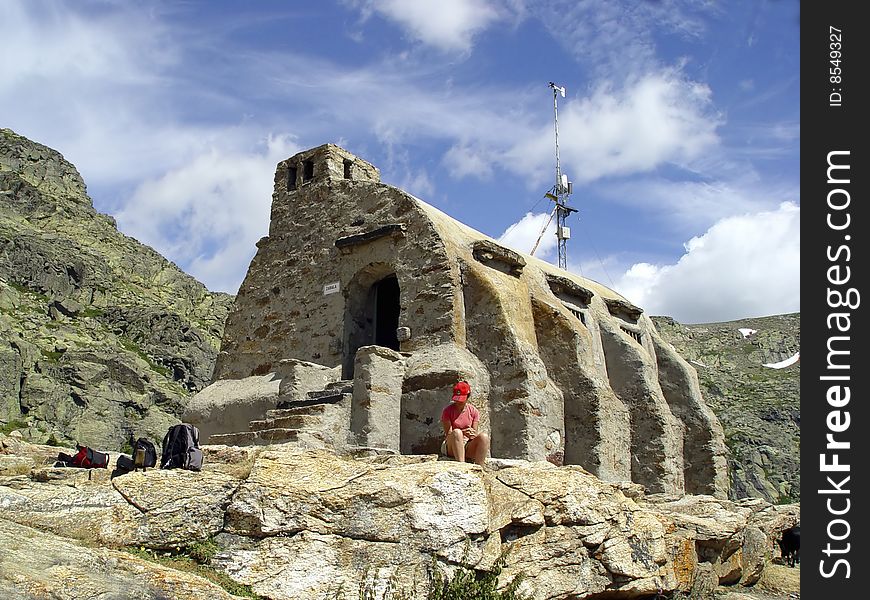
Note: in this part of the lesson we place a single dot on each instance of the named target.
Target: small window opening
(635, 335)
(578, 314)
(347, 166)
(291, 179)
(575, 310)
(307, 171)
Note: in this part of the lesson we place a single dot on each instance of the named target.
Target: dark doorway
(372, 315)
(387, 312)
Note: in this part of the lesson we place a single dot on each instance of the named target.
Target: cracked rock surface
(296, 524)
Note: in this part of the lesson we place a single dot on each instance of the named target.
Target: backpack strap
(194, 434)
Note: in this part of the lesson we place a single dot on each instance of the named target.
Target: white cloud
(127, 96)
(448, 25)
(743, 266)
(463, 160)
(125, 118)
(690, 206)
(418, 183)
(619, 36)
(114, 86)
(88, 84)
(209, 213)
(45, 41)
(102, 87)
(523, 234)
(618, 130)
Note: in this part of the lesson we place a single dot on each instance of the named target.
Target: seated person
(460, 420)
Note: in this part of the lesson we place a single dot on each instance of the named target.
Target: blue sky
(680, 128)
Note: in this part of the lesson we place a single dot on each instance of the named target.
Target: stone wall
(562, 368)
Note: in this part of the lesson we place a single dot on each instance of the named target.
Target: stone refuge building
(383, 302)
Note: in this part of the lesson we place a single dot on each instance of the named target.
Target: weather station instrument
(559, 193)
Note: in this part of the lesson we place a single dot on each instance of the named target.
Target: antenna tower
(563, 188)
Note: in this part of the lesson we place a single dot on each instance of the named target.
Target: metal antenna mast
(563, 188)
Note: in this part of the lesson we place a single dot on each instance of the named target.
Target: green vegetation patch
(26, 290)
(131, 346)
(194, 559)
(51, 355)
(7, 428)
(465, 584)
(54, 441)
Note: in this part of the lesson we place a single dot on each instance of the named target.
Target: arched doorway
(386, 309)
(372, 315)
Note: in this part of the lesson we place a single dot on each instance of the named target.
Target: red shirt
(460, 420)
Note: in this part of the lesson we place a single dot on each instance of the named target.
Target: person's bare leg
(456, 445)
(478, 448)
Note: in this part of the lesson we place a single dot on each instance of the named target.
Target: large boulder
(40, 565)
(229, 405)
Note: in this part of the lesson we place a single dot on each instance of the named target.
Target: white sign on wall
(331, 288)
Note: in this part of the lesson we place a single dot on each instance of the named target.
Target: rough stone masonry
(360, 282)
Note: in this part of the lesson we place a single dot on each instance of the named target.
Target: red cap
(461, 391)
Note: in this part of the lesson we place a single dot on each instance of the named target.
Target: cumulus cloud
(522, 235)
(125, 118)
(113, 86)
(448, 25)
(85, 83)
(127, 96)
(419, 183)
(209, 213)
(49, 41)
(623, 129)
(743, 266)
(462, 160)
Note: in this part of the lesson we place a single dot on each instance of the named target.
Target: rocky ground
(778, 582)
(758, 406)
(100, 336)
(285, 522)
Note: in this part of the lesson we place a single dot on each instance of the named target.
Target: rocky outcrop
(100, 336)
(37, 565)
(297, 524)
(758, 406)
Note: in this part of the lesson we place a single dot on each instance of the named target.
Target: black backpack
(144, 454)
(181, 448)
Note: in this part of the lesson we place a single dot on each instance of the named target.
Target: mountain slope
(100, 336)
(758, 406)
